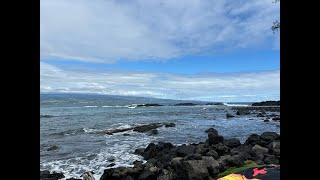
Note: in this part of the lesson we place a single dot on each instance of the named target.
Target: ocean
(71, 125)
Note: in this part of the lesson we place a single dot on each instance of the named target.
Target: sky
(178, 49)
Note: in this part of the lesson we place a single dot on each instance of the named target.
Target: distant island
(267, 103)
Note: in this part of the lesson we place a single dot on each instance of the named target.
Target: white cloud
(219, 87)
(106, 31)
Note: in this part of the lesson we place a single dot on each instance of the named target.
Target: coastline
(164, 160)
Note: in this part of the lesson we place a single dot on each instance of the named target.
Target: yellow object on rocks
(235, 177)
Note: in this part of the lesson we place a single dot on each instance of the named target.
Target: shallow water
(73, 128)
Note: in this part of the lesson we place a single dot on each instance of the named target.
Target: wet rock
(88, 175)
(151, 151)
(46, 175)
(266, 120)
(232, 143)
(53, 148)
(111, 159)
(111, 165)
(261, 115)
(241, 112)
(153, 132)
(148, 127)
(148, 105)
(268, 137)
(276, 119)
(139, 151)
(169, 124)
(126, 134)
(228, 115)
(212, 130)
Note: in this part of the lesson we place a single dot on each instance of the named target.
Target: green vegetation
(247, 164)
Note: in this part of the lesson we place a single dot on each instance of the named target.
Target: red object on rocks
(256, 171)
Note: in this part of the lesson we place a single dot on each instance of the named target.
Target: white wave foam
(88, 130)
(119, 147)
(116, 106)
(242, 105)
(90, 106)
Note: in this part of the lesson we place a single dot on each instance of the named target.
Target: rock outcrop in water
(200, 161)
(185, 104)
(140, 128)
(148, 105)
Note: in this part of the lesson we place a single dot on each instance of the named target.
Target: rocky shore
(205, 160)
(201, 161)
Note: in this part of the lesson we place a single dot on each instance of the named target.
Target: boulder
(228, 115)
(253, 139)
(259, 152)
(185, 150)
(212, 130)
(213, 138)
(165, 175)
(242, 112)
(268, 137)
(193, 157)
(149, 173)
(274, 148)
(213, 154)
(221, 149)
(232, 143)
(198, 169)
(150, 152)
(139, 151)
(243, 150)
(235, 160)
(46, 175)
(270, 159)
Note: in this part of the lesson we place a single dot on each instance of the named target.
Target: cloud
(106, 31)
(256, 86)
